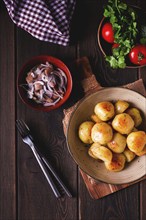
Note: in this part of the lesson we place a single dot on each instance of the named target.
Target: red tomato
(115, 45)
(108, 33)
(137, 55)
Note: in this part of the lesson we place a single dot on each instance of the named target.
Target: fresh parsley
(124, 21)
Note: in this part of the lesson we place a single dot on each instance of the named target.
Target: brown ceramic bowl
(22, 80)
(106, 47)
(79, 152)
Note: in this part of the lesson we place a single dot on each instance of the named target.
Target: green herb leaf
(123, 19)
(123, 6)
(112, 61)
(121, 62)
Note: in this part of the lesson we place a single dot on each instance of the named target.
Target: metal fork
(27, 138)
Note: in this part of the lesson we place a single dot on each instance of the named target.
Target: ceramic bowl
(79, 152)
(22, 80)
(106, 47)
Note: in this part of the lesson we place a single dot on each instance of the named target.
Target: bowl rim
(76, 108)
(32, 62)
(103, 52)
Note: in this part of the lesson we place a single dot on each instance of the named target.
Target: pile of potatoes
(112, 134)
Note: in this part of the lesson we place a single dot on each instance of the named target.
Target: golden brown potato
(141, 153)
(135, 114)
(104, 110)
(101, 133)
(118, 143)
(108, 131)
(123, 123)
(100, 152)
(117, 164)
(92, 149)
(84, 132)
(136, 141)
(95, 118)
(129, 155)
(121, 106)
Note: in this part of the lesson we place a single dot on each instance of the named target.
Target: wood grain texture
(24, 192)
(34, 193)
(7, 116)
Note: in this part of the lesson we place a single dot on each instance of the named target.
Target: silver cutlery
(42, 161)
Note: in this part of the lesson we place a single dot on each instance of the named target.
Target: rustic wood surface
(24, 192)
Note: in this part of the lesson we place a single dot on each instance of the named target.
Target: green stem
(116, 4)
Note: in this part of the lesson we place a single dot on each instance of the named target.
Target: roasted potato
(113, 134)
(117, 164)
(141, 153)
(104, 110)
(101, 133)
(136, 141)
(118, 143)
(95, 118)
(92, 150)
(135, 114)
(123, 123)
(121, 106)
(129, 155)
(84, 132)
(100, 152)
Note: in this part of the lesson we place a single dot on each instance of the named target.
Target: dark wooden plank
(35, 198)
(7, 117)
(142, 74)
(142, 200)
(115, 206)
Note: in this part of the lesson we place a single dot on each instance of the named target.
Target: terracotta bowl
(106, 47)
(22, 80)
(79, 152)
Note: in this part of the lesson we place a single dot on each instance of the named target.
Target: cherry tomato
(108, 33)
(115, 45)
(137, 55)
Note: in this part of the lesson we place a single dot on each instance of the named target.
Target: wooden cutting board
(98, 189)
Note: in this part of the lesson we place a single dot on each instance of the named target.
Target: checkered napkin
(47, 20)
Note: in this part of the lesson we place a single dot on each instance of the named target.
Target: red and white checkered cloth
(47, 20)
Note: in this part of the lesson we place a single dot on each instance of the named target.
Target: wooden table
(24, 192)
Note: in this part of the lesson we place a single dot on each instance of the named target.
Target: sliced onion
(53, 84)
(51, 103)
